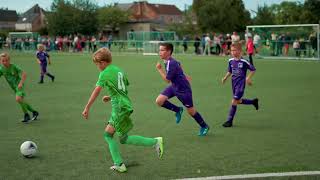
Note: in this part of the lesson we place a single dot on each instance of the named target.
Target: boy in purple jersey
(238, 69)
(179, 87)
(42, 60)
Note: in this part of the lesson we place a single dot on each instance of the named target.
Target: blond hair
(102, 54)
(4, 55)
(238, 46)
(40, 47)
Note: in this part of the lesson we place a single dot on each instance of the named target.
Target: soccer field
(283, 136)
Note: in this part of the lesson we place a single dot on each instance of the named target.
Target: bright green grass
(282, 136)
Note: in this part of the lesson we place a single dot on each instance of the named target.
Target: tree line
(85, 17)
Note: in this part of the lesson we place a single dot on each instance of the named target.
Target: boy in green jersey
(16, 78)
(116, 83)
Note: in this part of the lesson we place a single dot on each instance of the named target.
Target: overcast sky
(23, 5)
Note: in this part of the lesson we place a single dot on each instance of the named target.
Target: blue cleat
(203, 131)
(178, 115)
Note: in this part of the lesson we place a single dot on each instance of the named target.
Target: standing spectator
(235, 38)
(229, 42)
(109, 41)
(246, 34)
(196, 45)
(313, 42)
(185, 44)
(296, 47)
(302, 43)
(207, 45)
(256, 42)
(287, 42)
(250, 48)
(273, 43)
(203, 42)
(217, 40)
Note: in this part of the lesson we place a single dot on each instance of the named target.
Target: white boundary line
(263, 175)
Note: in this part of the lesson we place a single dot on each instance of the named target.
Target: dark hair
(168, 46)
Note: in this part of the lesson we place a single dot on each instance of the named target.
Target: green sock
(23, 107)
(114, 150)
(28, 107)
(141, 141)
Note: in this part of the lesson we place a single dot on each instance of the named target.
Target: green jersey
(12, 75)
(116, 82)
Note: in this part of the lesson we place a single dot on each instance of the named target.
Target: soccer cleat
(121, 168)
(227, 124)
(179, 114)
(52, 79)
(256, 103)
(26, 118)
(40, 82)
(35, 115)
(203, 131)
(159, 146)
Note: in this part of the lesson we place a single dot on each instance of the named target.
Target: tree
(311, 12)
(188, 27)
(287, 12)
(78, 16)
(221, 15)
(111, 16)
(264, 16)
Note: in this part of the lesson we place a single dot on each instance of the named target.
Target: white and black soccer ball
(28, 149)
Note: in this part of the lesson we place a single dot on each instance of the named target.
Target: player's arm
(95, 93)
(49, 60)
(248, 79)
(228, 74)
(23, 78)
(251, 73)
(162, 73)
(38, 60)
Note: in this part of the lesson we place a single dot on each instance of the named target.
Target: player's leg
(125, 125)
(42, 72)
(24, 109)
(254, 102)
(232, 112)
(114, 149)
(186, 100)
(144, 141)
(162, 100)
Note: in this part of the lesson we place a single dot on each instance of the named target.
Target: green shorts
(20, 92)
(121, 121)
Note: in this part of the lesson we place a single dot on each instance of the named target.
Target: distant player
(116, 83)
(16, 78)
(42, 56)
(179, 87)
(238, 67)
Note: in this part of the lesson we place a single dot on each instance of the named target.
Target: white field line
(263, 175)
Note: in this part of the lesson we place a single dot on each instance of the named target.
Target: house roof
(166, 9)
(8, 15)
(31, 14)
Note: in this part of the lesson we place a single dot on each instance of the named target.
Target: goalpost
(148, 41)
(297, 41)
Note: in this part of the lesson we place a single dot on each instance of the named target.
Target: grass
(282, 136)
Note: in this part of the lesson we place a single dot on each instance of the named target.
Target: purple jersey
(238, 69)
(42, 56)
(176, 76)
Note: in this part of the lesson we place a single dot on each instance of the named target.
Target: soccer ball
(28, 149)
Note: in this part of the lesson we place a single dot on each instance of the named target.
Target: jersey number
(121, 85)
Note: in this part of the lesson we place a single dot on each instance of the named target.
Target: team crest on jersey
(240, 65)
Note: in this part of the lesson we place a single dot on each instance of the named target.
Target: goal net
(151, 47)
(299, 41)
